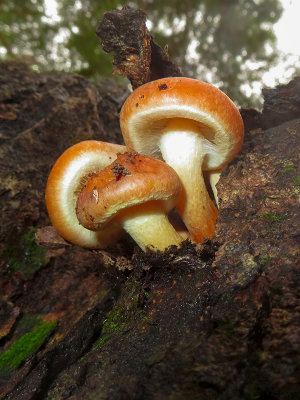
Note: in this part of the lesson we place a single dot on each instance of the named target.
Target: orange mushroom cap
(65, 181)
(193, 126)
(151, 107)
(136, 192)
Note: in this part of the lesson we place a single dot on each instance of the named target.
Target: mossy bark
(216, 321)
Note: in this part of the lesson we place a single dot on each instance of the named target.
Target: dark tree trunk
(216, 321)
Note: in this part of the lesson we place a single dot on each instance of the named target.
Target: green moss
(296, 181)
(289, 169)
(104, 337)
(288, 166)
(123, 314)
(23, 347)
(273, 217)
(265, 260)
(22, 254)
(116, 321)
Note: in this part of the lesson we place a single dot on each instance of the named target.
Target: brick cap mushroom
(65, 181)
(136, 192)
(191, 125)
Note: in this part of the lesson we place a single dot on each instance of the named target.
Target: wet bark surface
(213, 321)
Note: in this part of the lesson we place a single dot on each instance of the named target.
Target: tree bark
(214, 321)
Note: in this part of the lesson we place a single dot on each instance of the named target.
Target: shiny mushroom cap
(136, 192)
(66, 179)
(149, 110)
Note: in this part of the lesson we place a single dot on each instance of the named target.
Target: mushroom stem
(182, 148)
(150, 228)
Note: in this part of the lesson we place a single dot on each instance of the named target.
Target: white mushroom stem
(150, 228)
(184, 149)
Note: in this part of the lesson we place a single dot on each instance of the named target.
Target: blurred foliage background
(229, 43)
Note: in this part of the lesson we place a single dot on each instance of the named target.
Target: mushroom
(194, 127)
(65, 181)
(135, 192)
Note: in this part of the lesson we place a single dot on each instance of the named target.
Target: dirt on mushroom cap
(130, 180)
